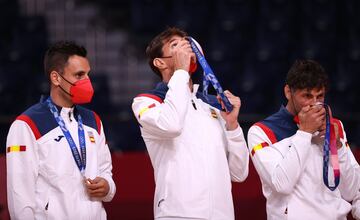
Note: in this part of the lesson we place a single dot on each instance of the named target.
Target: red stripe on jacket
(157, 98)
(31, 124)
(267, 131)
(98, 123)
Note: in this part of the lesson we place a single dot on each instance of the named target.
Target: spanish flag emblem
(213, 113)
(258, 147)
(16, 148)
(91, 137)
(143, 110)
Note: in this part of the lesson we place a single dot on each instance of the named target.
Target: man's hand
(97, 187)
(312, 119)
(183, 55)
(231, 118)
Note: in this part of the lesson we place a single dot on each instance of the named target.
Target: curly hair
(307, 74)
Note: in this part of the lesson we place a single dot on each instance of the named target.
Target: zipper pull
(193, 104)
(70, 116)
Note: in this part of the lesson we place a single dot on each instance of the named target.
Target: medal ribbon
(209, 76)
(330, 147)
(80, 160)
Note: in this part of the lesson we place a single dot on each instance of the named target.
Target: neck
(291, 108)
(58, 98)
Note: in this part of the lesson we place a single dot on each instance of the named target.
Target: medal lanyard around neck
(330, 146)
(80, 160)
(209, 76)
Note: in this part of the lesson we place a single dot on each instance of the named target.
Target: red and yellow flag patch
(258, 147)
(213, 113)
(143, 110)
(16, 148)
(91, 137)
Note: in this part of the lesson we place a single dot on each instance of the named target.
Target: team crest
(91, 137)
(213, 113)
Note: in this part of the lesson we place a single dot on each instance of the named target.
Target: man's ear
(54, 78)
(287, 92)
(159, 63)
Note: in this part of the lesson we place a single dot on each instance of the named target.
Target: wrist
(231, 126)
(308, 130)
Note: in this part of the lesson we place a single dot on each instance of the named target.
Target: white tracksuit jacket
(356, 201)
(43, 180)
(193, 156)
(291, 172)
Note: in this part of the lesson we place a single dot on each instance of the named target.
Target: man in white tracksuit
(49, 177)
(287, 151)
(195, 149)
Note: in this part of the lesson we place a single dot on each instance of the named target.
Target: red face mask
(193, 64)
(81, 91)
(193, 67)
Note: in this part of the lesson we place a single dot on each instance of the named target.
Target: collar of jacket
(281, 123)
(162, 88)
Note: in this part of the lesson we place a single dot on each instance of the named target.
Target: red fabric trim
(267, 131)
(98, 123)
(31, 124)
(264, 144)
(341, 132)
(157, 98)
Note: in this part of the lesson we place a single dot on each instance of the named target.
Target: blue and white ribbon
(80, 160)
(209, 76)
(330, 153)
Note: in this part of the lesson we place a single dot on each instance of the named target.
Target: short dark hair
(154, 49)
(57, 56)
(307, 74)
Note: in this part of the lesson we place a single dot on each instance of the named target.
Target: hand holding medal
(330, 146)
(209, 75)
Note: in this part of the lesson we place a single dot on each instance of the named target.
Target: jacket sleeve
(356, 204)
(279, 165)
(349, 170)
(22, 170)
(165, 120)
(105, 166)
(238, 155)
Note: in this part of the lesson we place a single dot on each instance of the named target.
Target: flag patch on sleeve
(16, 148)
(143, 110)
(258, 147)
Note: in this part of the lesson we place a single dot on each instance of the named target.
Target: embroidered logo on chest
(91, 136)
(58, 138)
(213, 113)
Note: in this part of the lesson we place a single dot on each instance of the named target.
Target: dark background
(250, 45)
